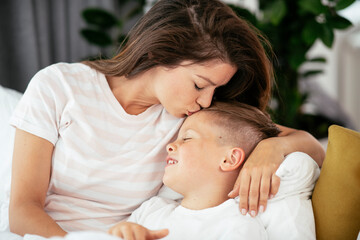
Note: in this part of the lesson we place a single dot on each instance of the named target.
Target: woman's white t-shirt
(105, 162)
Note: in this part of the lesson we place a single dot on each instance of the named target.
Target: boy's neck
(204, 199)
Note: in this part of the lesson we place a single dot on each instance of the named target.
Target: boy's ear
(234, 159)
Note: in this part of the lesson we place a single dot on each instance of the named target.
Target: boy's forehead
(198, 120)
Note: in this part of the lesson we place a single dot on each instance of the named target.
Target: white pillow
(289, 214)
(8, 100)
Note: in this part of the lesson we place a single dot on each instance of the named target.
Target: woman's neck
(135, 95)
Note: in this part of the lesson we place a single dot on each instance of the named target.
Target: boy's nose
(170, 147)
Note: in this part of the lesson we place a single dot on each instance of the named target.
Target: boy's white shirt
(289, 215)
(221, 222)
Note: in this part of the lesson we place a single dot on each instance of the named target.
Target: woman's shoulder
(64, 74)
(63, 67)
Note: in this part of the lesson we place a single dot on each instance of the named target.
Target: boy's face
(196, 154)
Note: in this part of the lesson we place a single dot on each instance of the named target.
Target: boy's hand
(257, 180)
(133, 231)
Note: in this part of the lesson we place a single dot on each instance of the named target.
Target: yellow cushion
(336, 197)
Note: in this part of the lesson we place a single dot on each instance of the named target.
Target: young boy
(202, 165)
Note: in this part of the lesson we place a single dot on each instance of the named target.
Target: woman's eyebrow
(206, 79)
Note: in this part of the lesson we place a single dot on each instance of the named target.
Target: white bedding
(8, 100)
(88, 235)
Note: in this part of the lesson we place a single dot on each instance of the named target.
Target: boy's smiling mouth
(170, 161)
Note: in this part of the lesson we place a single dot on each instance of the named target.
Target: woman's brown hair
(197, 30)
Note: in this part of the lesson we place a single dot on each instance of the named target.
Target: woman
(90, 139)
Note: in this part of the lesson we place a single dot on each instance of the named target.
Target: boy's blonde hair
(243, 126)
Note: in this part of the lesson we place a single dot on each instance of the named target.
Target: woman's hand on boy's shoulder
(257, 181)
(134, 231)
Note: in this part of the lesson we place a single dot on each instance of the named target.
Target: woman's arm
(30, 180)
(257, 180)
(293, 140)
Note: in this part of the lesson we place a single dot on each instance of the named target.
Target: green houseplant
(292, 28)
(105, 29)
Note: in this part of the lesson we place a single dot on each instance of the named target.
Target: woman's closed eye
(197, 87)
(186, 139)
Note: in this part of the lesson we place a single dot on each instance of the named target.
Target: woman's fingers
(275, 184)
(255, 185)
(235, 191)
(264, 191)
(243, 191)
(254, 193)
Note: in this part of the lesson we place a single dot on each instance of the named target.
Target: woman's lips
(191, 113)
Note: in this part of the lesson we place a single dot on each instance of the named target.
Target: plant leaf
(244, 13)
(327, 35)
(318, 59)
(338, 22)
(341, 4)
(296, 59)
(96, 37)
(310, 32)
(99, 17)
(313, 6)
(122, 39)
(311, 73)
(275, 12)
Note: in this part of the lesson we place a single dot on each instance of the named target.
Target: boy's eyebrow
(206, 79)
(187, 130)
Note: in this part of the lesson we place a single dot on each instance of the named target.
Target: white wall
(341, 77)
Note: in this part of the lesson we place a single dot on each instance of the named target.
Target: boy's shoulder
(160, 202)
(157, 203)
(155, 206)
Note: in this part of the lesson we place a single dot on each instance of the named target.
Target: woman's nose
(204, 100)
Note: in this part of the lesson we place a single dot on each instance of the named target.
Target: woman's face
(187, 88)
